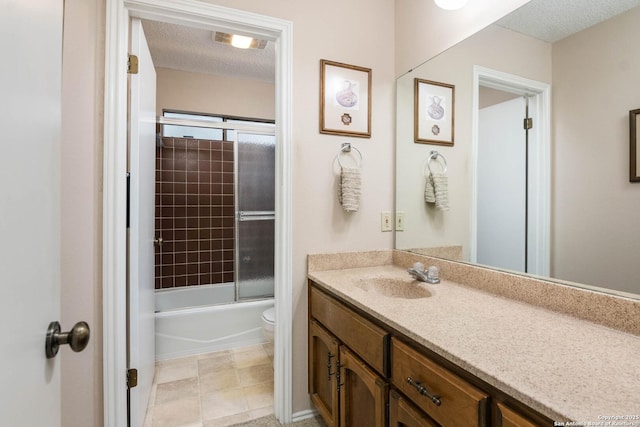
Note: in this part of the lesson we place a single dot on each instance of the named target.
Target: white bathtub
(201, 319)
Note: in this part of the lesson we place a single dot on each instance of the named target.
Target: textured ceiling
(553, 20)
(191, 49)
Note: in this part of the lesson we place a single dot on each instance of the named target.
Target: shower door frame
(255, 129)
(213, 17)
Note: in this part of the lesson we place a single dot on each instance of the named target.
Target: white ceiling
(553, 20)
(191, 49)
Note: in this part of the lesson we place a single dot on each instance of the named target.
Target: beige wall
(423, 30)
(334, 30)
(495, 48)
(206, 93)
(81, 204)
(360, 32)
(596, 232)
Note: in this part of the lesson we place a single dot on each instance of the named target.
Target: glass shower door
(255, 219)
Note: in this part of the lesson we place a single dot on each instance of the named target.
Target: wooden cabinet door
(363, 394)
(404, 414)
(323, 365)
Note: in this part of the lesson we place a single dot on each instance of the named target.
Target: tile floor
(214, 389)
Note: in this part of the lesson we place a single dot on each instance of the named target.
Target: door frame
(539, 169)
(205, 16)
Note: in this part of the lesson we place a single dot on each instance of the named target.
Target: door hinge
(132, 378)
(128, 199)
(528, 123)
(132, 64)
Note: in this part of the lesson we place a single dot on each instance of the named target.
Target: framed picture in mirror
(345, 99)
(433, 112)
(634, 150)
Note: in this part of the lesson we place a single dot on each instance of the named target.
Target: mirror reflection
(555, 200)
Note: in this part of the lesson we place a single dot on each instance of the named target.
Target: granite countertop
(563, 367)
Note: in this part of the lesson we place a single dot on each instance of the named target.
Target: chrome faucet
(419, 273)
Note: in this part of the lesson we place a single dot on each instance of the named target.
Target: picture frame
(634, 150)
(434, 112)
(345, 99)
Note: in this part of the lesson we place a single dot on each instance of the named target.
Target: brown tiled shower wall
(194, 212)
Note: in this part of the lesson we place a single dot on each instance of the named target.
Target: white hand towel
(441, 188)
(429, 191)
(349, 189)
(436, 190)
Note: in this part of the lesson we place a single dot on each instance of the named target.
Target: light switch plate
(399, 221)
(386, 221)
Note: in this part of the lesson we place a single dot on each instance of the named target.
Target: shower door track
(267, 129)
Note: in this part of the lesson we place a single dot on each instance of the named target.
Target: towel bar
(346, 148)
(434, 156)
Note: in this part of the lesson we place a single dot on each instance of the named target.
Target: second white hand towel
(349, 189)
(429, 191)
(441, 190)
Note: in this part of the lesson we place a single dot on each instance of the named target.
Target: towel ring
(434, 156)
(346, 148)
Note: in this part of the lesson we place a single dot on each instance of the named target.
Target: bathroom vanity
(385, 349)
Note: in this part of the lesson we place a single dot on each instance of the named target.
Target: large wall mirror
(554, 200)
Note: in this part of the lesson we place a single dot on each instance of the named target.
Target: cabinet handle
(338, 376)
(423, 391)
(329, 373)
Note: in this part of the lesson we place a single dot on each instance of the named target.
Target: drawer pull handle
(329, 373)
(423, 391)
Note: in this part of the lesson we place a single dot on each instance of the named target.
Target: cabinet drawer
(366, 339)
(444, 396)
(404, 414)
(510, 418)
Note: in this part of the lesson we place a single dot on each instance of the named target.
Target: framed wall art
(433, 112)
(345, 99)
(634, 149)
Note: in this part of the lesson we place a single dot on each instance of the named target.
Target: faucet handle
(432, 274)
(418, 266)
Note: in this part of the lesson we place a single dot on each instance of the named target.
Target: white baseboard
(303, 415)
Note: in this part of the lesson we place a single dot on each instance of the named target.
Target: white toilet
(268, 323)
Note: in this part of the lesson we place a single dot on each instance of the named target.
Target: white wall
(495, 48)
(596, 232)
(81, 208)
(206, 93)
(423, 30)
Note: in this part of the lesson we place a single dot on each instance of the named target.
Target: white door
(501, 185)
(30, 108)
(141, 229)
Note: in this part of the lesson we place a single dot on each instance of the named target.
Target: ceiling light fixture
(236, 40)
(450, 4)
(241, 42)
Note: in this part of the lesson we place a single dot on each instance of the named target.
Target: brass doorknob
(77, 338)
